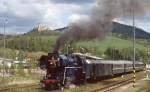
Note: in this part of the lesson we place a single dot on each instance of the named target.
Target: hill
(6, 36)
(45, 43)
(62, 29)
(43, 39)
(127, 31)
(122, 30)
(109, 41)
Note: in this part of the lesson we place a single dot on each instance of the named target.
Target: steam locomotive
(65, 69)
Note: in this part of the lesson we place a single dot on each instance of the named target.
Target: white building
(148, 66)
(9, 62)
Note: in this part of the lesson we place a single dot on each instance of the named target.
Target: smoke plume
(100, 19)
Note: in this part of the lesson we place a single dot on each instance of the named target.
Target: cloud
(72, 1)
(22, 8)
(59, 15)
(21, 15)
(76, 17)
(25, 14)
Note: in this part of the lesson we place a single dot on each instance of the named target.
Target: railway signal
(134, 78)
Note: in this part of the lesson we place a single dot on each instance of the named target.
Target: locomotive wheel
(47, 87)
(52, 86)
(43, 86)
(59, 86)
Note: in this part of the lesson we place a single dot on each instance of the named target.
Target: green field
(102, 45)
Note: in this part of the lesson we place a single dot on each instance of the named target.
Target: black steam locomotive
(76, 68)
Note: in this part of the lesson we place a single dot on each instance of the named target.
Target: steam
(100, 19)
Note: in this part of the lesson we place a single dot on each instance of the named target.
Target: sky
(21, 16)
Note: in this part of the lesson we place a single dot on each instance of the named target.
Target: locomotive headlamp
(51, 63)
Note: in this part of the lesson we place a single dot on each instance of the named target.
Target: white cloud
(31, 12)
(22, 8)
(2, 7)
(25, 14)
(59, 15)
(76, 17)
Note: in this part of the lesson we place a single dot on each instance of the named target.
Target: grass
(144, 88)
(5, 81)
(109, 42)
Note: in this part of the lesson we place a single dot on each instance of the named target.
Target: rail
(114, 86)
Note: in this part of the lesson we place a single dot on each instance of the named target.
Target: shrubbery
(126, 54)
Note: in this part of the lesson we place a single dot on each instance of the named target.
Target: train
(76, 68)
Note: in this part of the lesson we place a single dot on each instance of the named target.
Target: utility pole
(4, 39)
(133, 39)
(133, 18)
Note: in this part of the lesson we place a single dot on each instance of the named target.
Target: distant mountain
(122, 30)
(127, 31)
(1, 34)
(6, 36)
(62, 29)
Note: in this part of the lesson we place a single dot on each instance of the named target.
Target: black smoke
(99, 21)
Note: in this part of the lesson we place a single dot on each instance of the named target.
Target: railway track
(106, 87)
(115, 85)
